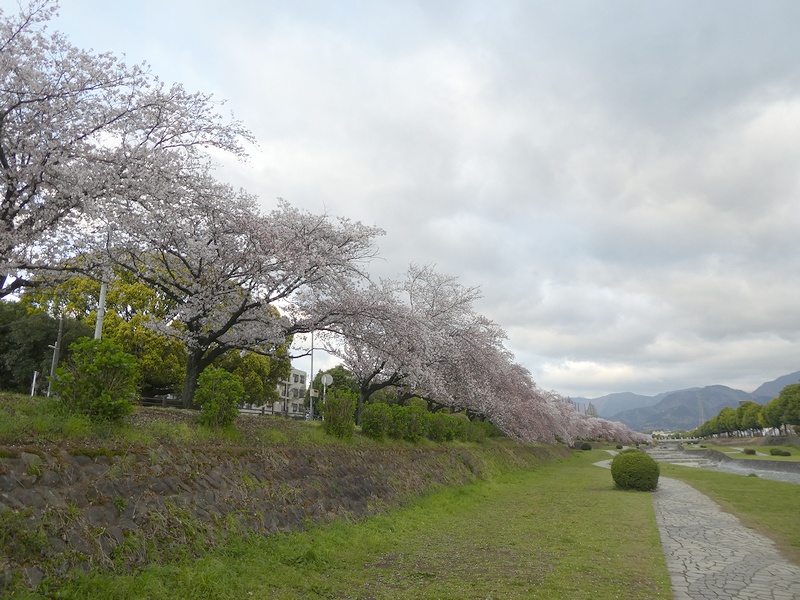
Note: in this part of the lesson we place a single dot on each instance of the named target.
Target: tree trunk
(363, 396)
(193, 370)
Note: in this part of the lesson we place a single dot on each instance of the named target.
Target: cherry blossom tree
(76, 126)
(230, 272)
(398, 333)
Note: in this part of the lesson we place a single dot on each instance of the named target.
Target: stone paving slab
(711, 555)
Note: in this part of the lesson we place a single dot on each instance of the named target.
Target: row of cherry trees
(421, 336)
(105, 170)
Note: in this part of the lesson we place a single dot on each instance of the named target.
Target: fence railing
(169, 402)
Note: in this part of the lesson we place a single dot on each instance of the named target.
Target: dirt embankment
(65, 508)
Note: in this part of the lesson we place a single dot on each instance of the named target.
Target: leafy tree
(98, 381)
(748, 416)
(772, 413)
(728, 423)
(259, 374)
(342, 382)
(78, 127)
(130, 306)
(789, 403)
(25, 345)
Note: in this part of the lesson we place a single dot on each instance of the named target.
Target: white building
(292, 392)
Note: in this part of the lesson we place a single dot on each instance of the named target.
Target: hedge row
(413, 423)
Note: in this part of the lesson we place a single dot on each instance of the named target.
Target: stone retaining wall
(65, 509)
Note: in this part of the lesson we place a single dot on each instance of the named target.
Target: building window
(296, 378)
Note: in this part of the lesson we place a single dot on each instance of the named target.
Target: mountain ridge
(681, 409)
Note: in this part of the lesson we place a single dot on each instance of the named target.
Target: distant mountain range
(681, 409)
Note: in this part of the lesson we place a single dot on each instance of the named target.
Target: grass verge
(561, 531)
(768, 506)
(762, 450)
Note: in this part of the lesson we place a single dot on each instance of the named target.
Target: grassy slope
(560, 531)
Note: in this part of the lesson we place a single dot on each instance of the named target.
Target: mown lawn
(561, 531)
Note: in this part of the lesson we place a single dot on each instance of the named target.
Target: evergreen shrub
(779, 452)
(100, 381)
(749, 451)
(339, 413)
(635, 471)
(460, 427)
(375, 419)
(489, 429)
(413, 423)
(619, 446)
(441, 427)
(218, 394)
(398, 422)
(417, 423)
(586, 446)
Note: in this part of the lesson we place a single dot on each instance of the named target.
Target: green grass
(34, 420)
(729, 450)
(561, 531)
(771, 507)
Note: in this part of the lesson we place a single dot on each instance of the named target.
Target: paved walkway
(710, 555)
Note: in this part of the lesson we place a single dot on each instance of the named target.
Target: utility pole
(56, 353)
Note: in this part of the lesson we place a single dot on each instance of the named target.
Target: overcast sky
(622, 179)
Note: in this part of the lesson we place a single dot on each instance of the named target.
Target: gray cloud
(619, 177)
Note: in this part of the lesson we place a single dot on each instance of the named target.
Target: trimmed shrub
(779, 452)
(749, 451)
(441, 427)
(417, 427)
(619, 446)
(489, 429)
(398, 424)
(218, 394)
(339, 412)
(586, 446)
(461, 427)
(635, 471)
(375, 420)
(99, 381)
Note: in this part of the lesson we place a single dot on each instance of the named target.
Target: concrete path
(710, 554)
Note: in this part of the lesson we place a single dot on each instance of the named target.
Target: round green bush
(99, 381)
(586, 446)
(441, 427)
(635, 471)
(375, 420)
(619, 446)
(338, 412)
(749, 451)
(219, 392)
(779, 452)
